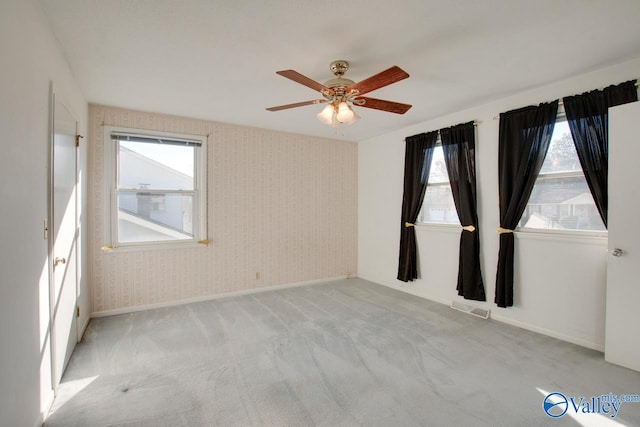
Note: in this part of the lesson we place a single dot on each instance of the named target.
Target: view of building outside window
(156, 192)
(561, 199)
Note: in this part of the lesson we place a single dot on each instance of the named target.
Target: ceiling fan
(341, 93)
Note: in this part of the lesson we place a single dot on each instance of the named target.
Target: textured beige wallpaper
(281, 205)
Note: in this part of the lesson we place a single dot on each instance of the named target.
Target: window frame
(450, 225)
(551, 232)
(111, 190)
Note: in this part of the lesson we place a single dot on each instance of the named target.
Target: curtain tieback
(504, 230)
(408, 224)
(470, 228)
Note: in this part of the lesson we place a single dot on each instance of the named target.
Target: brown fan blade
(385, 78)
(381, 104)
(303, 80)
(297, 104)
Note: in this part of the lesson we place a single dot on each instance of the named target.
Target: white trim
(405, 287)
(40, 420)
(126, 310)
(147, 134)
(565, 174)
(50, 242)
(153, 246)
(83, 328)
(439, 226)
(58, 98)
(548, 332)
(439, 184)
(46, 409)
(599, 238)
(498, 318)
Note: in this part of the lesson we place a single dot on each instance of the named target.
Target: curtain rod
(475, 123)
(560, 103)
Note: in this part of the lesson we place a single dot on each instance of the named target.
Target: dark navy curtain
(459, 147)
(524, 137)
(417, 162)
(587, 115)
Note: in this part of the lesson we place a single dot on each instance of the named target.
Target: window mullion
(559, 175)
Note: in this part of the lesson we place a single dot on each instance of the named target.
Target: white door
(64, 231)
(622, 346)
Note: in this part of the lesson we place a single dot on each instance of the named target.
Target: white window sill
(591, 237)
(153, 247)
(441, 227)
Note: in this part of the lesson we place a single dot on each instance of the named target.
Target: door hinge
(77, 311)
(46, 229)
(78, 139)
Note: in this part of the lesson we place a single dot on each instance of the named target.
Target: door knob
(617, 252)
(59, 261)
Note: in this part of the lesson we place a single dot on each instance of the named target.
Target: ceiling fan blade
(297, 104)
(381, 104)
(382, 79)
(303, 80)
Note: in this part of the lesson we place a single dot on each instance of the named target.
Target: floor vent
(469, 309)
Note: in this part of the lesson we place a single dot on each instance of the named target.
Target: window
(438, 206)
(156, 188)
(561, 199)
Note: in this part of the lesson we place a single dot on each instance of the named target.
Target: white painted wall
(559, 280)
(31, 58)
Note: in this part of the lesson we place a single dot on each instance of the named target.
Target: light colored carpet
(345, 353)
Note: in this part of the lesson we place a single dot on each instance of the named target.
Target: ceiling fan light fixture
(345, 113)
(342, 94)
(326, 115)
(354, 119)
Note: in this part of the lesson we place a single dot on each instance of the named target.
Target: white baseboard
(83, 328)
(498, 318)
(39, 421)
(133, 309)
(549, 332)
(405, 289)
(46, 408)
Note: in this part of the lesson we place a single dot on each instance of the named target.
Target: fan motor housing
(338, 68)
(339, 82)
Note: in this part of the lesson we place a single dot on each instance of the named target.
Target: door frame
(620, 312)
(53, 96)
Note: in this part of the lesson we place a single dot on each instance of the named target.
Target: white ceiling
(216, 60)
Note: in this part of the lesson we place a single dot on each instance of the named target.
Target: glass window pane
(561, 155)
(562, 203)
(151, 166)
(438, 206)
(561, 199)
(438, 171)
(151, 217)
